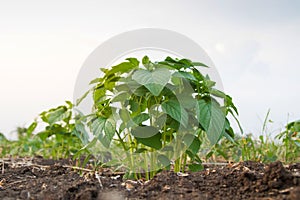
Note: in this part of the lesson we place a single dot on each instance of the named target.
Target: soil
(38, 178)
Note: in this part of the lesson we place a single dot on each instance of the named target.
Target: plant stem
(121, 141)
(177, 165)
(146, 166)
(152, 172)
(184, 162)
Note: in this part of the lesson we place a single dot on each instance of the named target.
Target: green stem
(151, 167)
(146, 166)
(176, 165)
(121, 140)
(184, 162)
(131, 152)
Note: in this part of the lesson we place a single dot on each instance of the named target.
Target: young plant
(57, 138)
(151, 115)
(291, 142)
(26, 145)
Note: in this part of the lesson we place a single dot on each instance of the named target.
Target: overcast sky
(255, 46)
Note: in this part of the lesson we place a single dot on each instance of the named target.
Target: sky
(254, 45)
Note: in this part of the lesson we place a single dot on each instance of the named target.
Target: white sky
(255, 46)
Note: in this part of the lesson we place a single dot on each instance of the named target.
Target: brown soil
(48, 179)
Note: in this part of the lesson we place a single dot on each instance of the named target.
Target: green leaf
(44, 134)
(229, 104)
(110, 128)
(99, 94)
(198, 75)
(31, 128)
(54, 115)
(173, 63)
(145, 60)
(163, 160)
(104, 129)
(185, 75)
(124, 67)
(187, 100)
(144, 131)
(125, 115)
(293, 126)
(120, 97)
(218, 93)
(70, 104)
(175, 111)
(97, 126)
(140, 91)
(148, 135)
(195, 167)
(81, 133)
(140, 118)
(122, 87)
(135, 62)
(199, 64)
(154, 81)
(192, 142)
(211, 118)
(134, 106)
(153, 142)
(2, 137)
(96, 80)
(160, 120)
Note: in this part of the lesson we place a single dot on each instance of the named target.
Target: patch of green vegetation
(158, 103)
(284, 146)
(56, 140)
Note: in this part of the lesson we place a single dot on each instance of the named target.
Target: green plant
(3, 142)
(59, 136)
(291, 142)
(57, 139)
(163, 109)
(284, 147)
(24, 146)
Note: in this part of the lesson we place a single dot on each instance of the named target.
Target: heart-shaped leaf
(212, 118)
(154, 80)
(175, 111)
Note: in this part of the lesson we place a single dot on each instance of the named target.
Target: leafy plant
(291, 141)
(157, 113)
(59, 136)
(57, 139)
(284, 147)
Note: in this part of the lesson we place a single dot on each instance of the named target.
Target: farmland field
(159, 130)
(39, 178)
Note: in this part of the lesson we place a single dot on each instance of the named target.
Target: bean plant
(56, 138)
(157, 114)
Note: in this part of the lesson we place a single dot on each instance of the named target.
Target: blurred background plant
(55, 140)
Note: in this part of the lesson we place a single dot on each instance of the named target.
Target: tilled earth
(39, 178)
